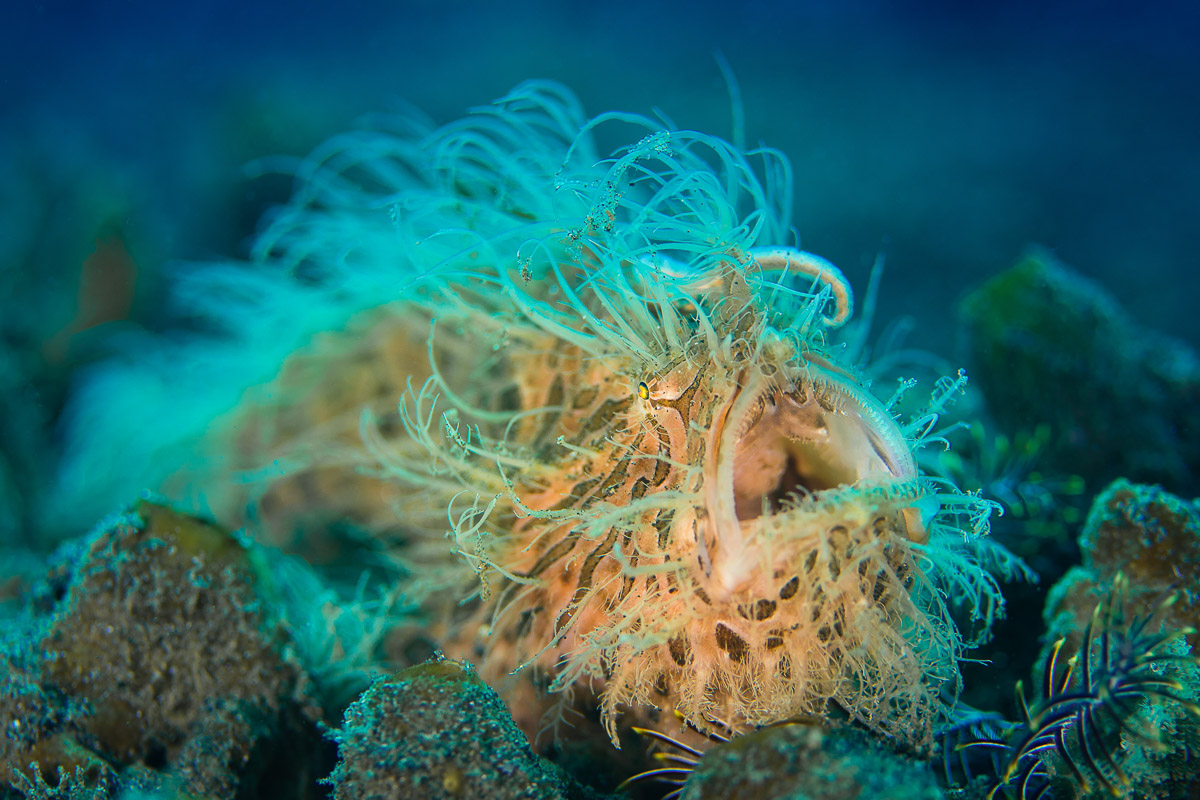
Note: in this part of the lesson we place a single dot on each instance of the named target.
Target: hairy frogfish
(599, 400)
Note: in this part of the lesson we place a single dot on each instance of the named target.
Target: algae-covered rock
(1141, 561)
(437, 731)
(1150, 536)
(155, 659)
(160, 628)
(37, 729)
(808, 762)
(1048, 346)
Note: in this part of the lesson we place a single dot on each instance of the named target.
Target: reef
(148, 658)
(1114, 705)
(811, 761)
(1149, 536)
(1141, 552)
(1048, 346)
(438, 732)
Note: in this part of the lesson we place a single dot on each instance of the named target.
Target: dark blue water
(949, 138)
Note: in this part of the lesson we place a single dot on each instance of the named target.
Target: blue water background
(949, 138)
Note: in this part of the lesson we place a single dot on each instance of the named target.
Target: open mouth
(821, 434)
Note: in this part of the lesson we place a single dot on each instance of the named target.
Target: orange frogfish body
(604, 408)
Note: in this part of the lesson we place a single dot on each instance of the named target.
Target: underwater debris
(154, 664)
(436, 731)
(1049, 346)
(622, 399)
